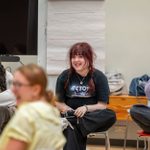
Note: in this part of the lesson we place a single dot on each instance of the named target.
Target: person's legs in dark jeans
(141, 115)
(4, 117)
(75, 140)
(81, 139)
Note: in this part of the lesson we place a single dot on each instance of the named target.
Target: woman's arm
(80, 111)
(102, 95)
(61, 92)
(62, 107)
(98, 106)
(14, 144)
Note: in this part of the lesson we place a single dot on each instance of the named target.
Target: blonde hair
(37, 76)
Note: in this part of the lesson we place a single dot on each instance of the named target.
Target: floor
(91, 147)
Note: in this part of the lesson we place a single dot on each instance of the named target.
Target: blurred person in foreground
(36, 124)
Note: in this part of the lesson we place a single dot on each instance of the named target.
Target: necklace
(81, 81)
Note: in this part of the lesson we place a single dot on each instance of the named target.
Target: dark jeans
(76, 138)
(141, 115)
(5, 115)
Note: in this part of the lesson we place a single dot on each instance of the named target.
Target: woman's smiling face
(79, 63)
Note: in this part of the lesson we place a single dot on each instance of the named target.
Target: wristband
(86, 108)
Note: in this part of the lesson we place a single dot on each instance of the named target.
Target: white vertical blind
(70, 22)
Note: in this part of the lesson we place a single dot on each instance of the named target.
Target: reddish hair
(84, 49)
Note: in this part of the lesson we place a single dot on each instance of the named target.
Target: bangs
(77, 51)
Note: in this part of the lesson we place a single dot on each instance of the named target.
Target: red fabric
(142, 133)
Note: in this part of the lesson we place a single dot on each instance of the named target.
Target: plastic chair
(122, 113)
(121, 105)
(146, 136)
(105, 133)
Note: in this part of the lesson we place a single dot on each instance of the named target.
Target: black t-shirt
(77, 94)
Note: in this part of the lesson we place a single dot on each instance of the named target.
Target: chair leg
(137, 143)
(145, 143)
(107, 141)
(148, 146)
(126, 134)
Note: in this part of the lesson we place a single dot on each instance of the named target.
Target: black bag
(97, 121)
(68, 114)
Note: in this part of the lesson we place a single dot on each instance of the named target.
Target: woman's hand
(80, 111)
(62, 107)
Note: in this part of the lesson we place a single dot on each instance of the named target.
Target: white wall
(128, 37)
(42, 32)
(68, 25)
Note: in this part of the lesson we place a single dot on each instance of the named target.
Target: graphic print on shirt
(77, 90)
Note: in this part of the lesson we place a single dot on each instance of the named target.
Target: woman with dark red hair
(82, 90)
